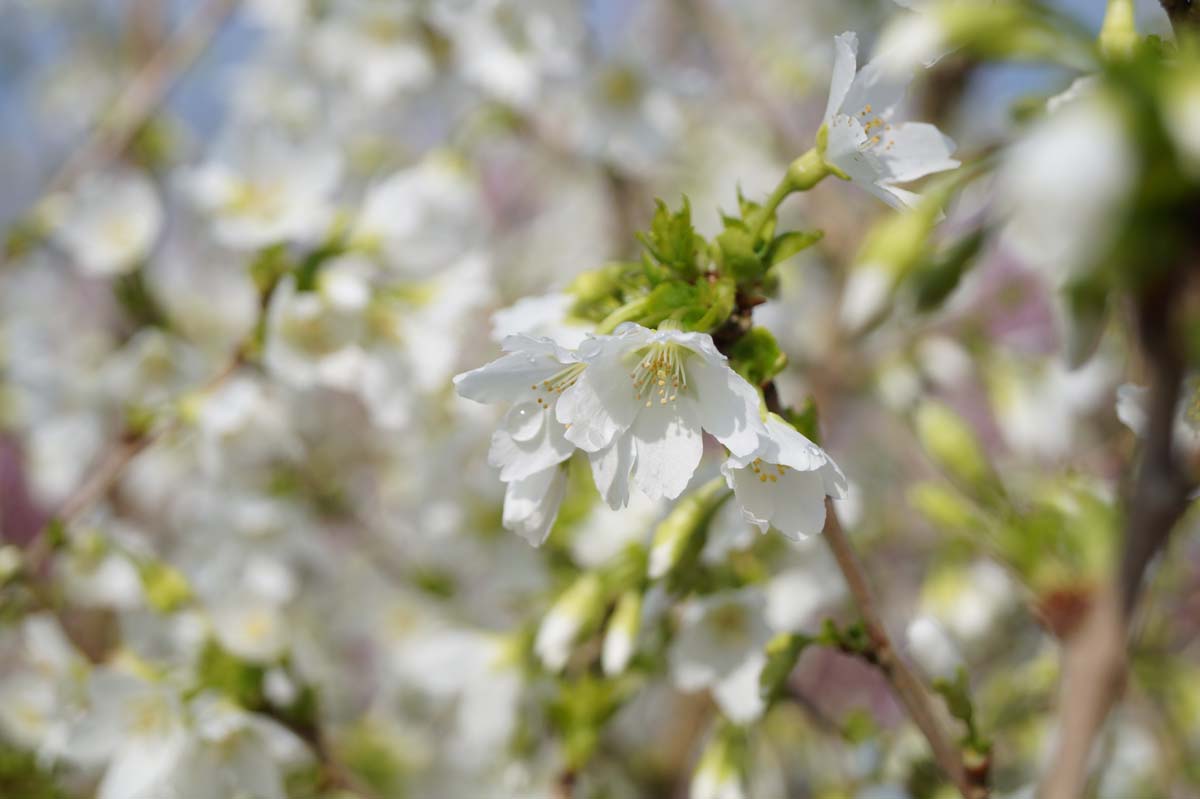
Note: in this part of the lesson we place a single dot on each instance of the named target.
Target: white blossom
(783, 482)
(642, 403)
(865, 142)
(108, 222)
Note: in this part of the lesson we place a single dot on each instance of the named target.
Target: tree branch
(1095, 659)
(149, 88)
(909, 689)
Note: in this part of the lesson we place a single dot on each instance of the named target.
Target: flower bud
(683, 525)
(932, 649)
(620, 640)
(952, 444)
(165, 586)
(721, 772)
(574, 612)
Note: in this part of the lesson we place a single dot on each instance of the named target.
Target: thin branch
(1181, 12)
(909, 689)
(144, 94)
(1095, 662)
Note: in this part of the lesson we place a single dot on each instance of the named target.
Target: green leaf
(737, 257)
(782, 653)
(672, 240)
(805, 419)
(756, 356)
(222, 671)
(935, 280)
(786, 245)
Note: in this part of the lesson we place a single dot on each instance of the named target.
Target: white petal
(737, 693)
(531, 504)
(876, 85)
(669, 447)
(142, 766)
(799, 504)
(519, 459)
(509, 378)
(915, 149)
(756, 498)
(794, 450)
(845, 48)
(726, 404)
(610, 470)
(601, 404)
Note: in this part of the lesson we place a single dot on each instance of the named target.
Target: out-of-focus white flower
(620, 639)
(37, 705)
(720, 646)
(544, 315)
(875, 152)
(721, 772)
(641, 404)
(783, 482)
(933, 649)
(573, 612)
(142, 727)
(243, 425)
(1131, 410)
(250, 627)
(796, 598)
(260, 189)
(910, 41)
(1039, 413)
(108, 222)
(969, 603)
(507, 48)
(375, 47)
(945, 361)
(1063, 184)
(419, 218)
(60, 452)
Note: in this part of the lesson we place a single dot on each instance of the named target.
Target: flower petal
(845, 48)
(914, 150)
(669, 447)
(531, 504)
(726, 405)
(799, 504)
(610, 471)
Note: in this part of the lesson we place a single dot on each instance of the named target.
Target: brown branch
(111, 135)
(1095, 661)
(1181, 12)
(909, 689)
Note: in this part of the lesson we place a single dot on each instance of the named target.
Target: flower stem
(626, 313)
(911, 692)
(802, 174)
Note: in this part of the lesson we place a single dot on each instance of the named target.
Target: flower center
(876, 129)
(764, 471)
(660, 371)
(557, 383)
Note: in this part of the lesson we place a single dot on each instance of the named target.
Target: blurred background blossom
(253, 544)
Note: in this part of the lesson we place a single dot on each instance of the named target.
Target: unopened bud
(952, 445)
(575, 611)
(620, 640)
(721, 772)
(683, 525)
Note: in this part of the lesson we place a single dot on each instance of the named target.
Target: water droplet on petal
(524, 421)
